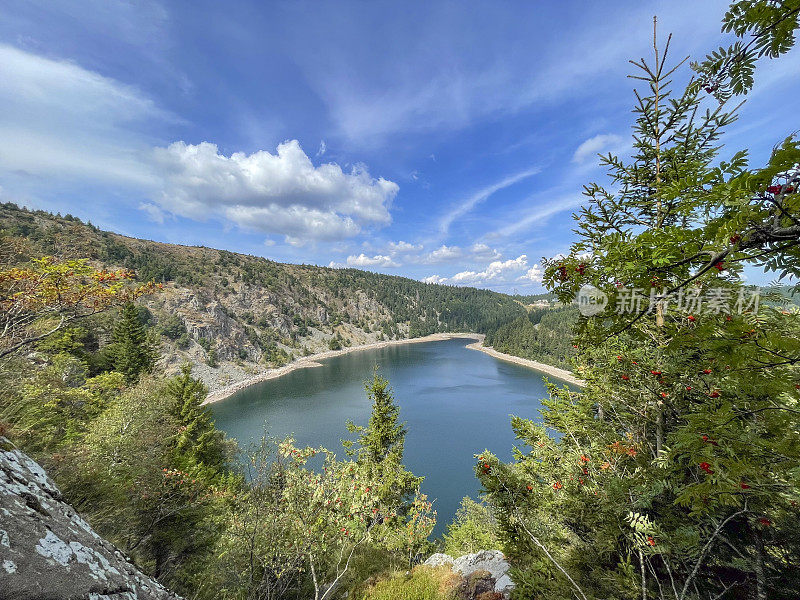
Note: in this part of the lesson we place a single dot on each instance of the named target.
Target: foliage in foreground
(422, 583)
(474, 528)
(676, 471)
(139, 456)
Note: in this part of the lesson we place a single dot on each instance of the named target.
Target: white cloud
(58, 119)
(401, 246)
(281, 193)
(540, 214)
(534, 274)
(599, 144)
(379, 260)
(434, 279)
(480, 252)
(443, 254)
(153, 212)
(495, 272)
(323, 148)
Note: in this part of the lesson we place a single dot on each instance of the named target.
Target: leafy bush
(474, 528)
(172, 326)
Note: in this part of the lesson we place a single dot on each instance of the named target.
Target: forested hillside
(230, 314)
(542, 335)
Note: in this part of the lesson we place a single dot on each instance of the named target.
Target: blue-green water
(456, 402)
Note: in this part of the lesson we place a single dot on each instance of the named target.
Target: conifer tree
(132, 352)
(198, 443)
(676, 471)
(380, 444)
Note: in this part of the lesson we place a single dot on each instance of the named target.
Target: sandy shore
(307, 362)
(549, 370)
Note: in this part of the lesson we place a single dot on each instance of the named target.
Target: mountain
(232, 315)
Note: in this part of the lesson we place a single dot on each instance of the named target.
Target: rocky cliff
(234, 315)
(48, 552)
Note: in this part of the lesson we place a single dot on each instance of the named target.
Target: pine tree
(380, 444)
(198, 443)
(132, 352)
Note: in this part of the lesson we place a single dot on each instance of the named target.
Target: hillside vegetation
(231, 314)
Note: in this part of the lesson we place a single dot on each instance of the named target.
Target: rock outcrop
(48, 552)
(479, 570)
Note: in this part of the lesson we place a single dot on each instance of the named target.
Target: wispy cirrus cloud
(59, 120)
(465, 206)
(599, 144)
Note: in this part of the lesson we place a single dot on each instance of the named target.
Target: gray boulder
(439, 559)
(48, 552)
(492, 561)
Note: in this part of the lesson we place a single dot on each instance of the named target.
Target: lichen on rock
(48, 551)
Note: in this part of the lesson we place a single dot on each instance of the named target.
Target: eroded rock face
(48, 552)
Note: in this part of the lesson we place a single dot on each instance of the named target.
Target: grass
(423, 583)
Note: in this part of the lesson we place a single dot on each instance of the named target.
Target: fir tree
(675, 474)
(380, 444)
(198, 443)
(132, 352)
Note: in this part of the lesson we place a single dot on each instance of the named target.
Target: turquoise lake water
(456, 403)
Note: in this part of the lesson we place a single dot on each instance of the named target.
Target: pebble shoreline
(311, 361)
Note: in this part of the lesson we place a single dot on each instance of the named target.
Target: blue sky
(441, 141)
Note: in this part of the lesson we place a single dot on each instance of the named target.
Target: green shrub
(473, 528)
(172, 327)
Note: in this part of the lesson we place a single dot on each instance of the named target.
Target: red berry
(720, 266)
(714, 394)
(650, 540)
(735, 238)
(691, 318)
(664, 394)
(625, 378)
(707, 371)
(774, 189)
(619, 358)
(707, 468)
(688, 388)
(744, 486)
(530, 488)
(765, 522)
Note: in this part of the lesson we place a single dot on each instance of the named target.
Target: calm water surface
(456, 402)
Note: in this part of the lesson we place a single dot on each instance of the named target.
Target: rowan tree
(674, 473)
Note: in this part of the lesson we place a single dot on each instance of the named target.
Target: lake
(456, 403)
